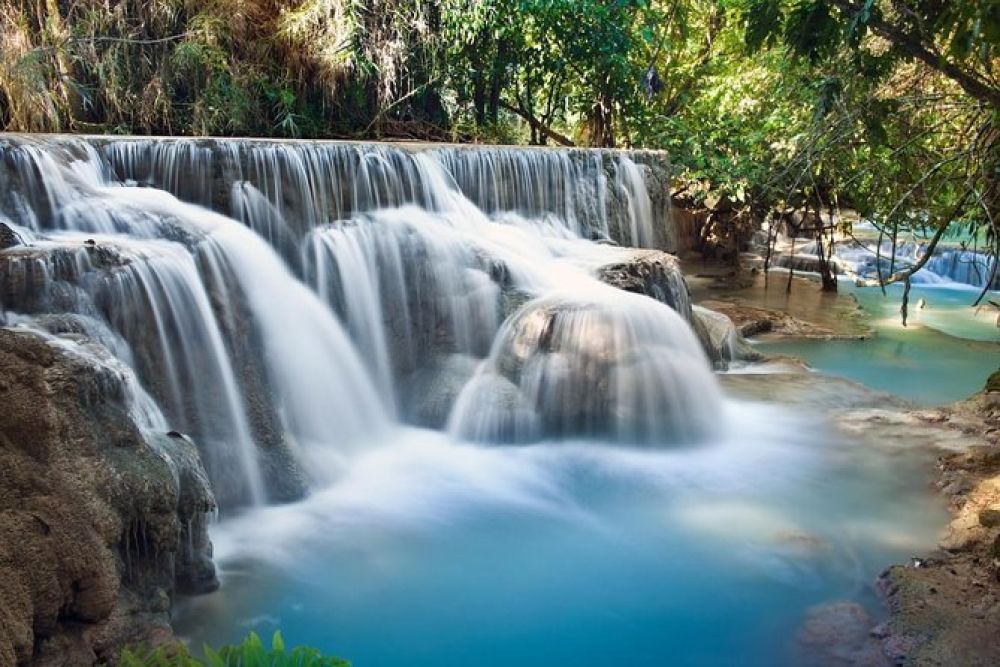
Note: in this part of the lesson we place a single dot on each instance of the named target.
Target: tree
(881, 48)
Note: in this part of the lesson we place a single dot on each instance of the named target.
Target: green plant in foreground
(250, 653)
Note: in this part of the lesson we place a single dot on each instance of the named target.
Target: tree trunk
(828, 277)
(602, 129)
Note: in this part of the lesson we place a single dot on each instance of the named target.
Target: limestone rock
(8, 237)
(945, 610)
(585, 370)
(432, 390)
(752, 320)
(719, 338)
(653, 273)
(50, 279)
(99, 521)
(839, 633)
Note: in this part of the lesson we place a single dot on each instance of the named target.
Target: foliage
(890, 107)
(250, 653)
(909, 134)
(261, 67)
(574, 63)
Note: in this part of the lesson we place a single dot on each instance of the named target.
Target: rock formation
(101, 520)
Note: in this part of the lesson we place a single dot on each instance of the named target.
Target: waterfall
(962, 266)
(951, 265)
(640, 207)
(159, 304)
(287, 303)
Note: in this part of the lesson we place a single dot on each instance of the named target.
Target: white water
(952, 266)
(414, 286)
(356, 287)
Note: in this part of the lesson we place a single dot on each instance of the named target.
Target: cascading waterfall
(352, 284)
(950, 266)
(639, 206)
(601, 194)
(366, 329)
(963, 266)
(184, 348)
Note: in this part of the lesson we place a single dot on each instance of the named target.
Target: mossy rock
(989, 518)
(993, 382)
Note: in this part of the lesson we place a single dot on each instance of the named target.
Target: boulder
(653, 273)
(719, 338)
(8, 237)
(606, 364)
(101, 522)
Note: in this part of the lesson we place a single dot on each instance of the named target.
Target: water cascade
(439, 392)
(954, 265)
(353, 286)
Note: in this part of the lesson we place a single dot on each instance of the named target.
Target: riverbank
(943, 607)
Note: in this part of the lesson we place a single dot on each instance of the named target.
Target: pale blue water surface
(944, 354)
(431, 552)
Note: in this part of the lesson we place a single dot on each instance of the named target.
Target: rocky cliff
(102, 520)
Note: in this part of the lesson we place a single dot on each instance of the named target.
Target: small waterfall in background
(953, 264)
(288, 303)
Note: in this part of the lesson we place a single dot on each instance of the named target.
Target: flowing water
(944, 354)
(504, 459)
(949, 346)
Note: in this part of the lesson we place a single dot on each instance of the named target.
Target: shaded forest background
(887, 107)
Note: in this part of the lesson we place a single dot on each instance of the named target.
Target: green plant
(250, 653)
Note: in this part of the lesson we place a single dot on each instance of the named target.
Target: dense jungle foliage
(888, 107)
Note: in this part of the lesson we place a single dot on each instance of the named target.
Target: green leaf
(763, 23)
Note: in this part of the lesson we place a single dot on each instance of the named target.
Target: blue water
(430, 552)
(944, 354)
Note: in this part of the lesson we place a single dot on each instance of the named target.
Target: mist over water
(504, 459)
(431, 551)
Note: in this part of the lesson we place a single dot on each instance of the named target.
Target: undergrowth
(250, 653)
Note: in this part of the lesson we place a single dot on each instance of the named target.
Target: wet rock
(751, 320)
(839, 633)
(947, 610)
(653, 273)
(804, 260)
(48, 277)
(493, 409)
(87, 277)
(607, 364)
(719, 338)
(8, 237)
(432, 390)
(940, 614)
(804, 389)
(98, 520)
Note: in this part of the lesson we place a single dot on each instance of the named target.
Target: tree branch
(914, 47)
(537, 124)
